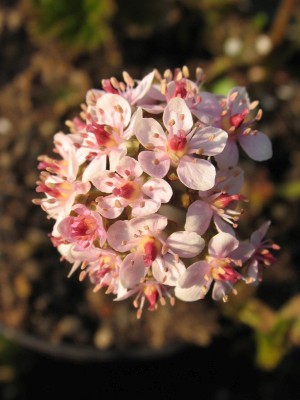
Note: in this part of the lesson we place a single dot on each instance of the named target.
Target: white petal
(95, 166)
(229, 156)
(258, 146)
(230, 180)
(223, 226)
(198, 217)
(158, 189)
(132, 270)
(107, 207)
(142, 88)
(222, 244)
(167, 270)
(148, 225)
(149, 132)
(185, 244)
(211, 140)
(258, 235)
(119, 236)
(105, 181)
(154, 163)
(221, 290)
(178, 111)
(144, 207)
(128, 166)
(196, 173)
(111, 117)
(195, 282)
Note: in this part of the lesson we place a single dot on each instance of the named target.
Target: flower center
(129, 191)
(177, 146)
(83, 226)
(102, 134)
(151, 247)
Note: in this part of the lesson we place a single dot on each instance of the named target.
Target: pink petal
(178, 111)
(244, 251)
(144, 207)
(221, 290)
(208, 109)
(258, 146)
(167, 270)
(111, 117)
(154, 163)
(142, 88)
(196, 173)
(158, 189)
(240, 100)
(149, 132)
(185, 244)
(132, 270)
(120, 236)
(105, 181)
(95, 166)
(148, 225)
(128, 166)
(258, 235)
(211, 140)
(223, 226)
(229, 156)
(114, 157)
(107, 207)
(195, 282)
(230, 180)
(222, 244)
(198, 217)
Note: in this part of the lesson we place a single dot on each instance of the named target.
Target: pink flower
(262, 257)
(103, 272)
(109, 127)
(60, 194)
(181, 148)
(83, 229)
(129, 188)
(219, 267)
(151, 291)
(132, 90)
(217, 204)
(150, 252)
(233, 114)
(171, 86)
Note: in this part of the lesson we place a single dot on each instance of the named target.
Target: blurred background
(55, 332)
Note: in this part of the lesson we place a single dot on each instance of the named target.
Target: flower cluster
(146, 190)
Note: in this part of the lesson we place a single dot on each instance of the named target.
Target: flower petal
(107, 207)
(257, 146)
(195, 282)
(132, 270)
(111, 116)
(142, 88)
(210, 140)
(149, 132)
(154, 163)
(198, 217)
(178, 111)
(128, 166)
(105, 181)
(158, 189)
(229, 156)
(149, 224)
(185, 244)
(196, 173)
(120, 236)
(258, 235)
(95, 166)
(167, 270)
(222, 244)
(144, 207)
(221, 290)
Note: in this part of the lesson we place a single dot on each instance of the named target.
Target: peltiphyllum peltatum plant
(145, 192)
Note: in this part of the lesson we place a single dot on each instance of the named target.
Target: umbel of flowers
(145, 190)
